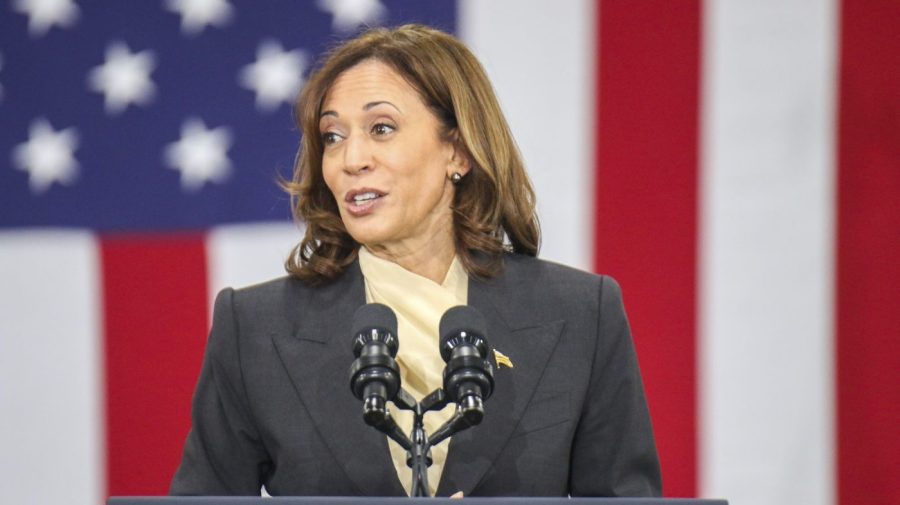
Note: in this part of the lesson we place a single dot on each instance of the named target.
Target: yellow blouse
(419, 304)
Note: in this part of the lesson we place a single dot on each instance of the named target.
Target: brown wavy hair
(494, 204)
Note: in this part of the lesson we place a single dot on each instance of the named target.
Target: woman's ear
(460, 162)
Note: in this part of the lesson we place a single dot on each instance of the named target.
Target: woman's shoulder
(288, 287)
(552, 275)
(269, 289)
(288, 294)
(259, 301)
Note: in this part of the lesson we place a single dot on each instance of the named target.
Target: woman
(414, 195)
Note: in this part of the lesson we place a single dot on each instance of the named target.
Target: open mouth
(368, 196)
(362, 202)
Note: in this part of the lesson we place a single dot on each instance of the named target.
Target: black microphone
(469, 374)
(374, 375)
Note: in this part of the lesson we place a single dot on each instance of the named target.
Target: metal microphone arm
(386, 424)
(468, 413)
(418, 458)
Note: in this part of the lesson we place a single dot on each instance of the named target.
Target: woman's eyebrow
(366, 107)
(381, 102)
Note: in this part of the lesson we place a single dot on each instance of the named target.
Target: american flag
(735, 165)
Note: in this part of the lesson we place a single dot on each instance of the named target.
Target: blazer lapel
(317, 358)
(513, 330)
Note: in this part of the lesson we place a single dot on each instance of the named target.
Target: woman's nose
(357, 156)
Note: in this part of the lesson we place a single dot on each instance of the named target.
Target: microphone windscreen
(461, 318)
(374, 316)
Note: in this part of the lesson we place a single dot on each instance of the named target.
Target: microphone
(469, 375)
(374, 375)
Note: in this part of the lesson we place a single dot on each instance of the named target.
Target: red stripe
(155, 320)
(646, 223)
(868, 254)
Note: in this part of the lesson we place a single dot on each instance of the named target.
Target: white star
(196, 14)
(124, 78)
(200, 154)
(276, 76)
(42, 14)
(349, 14)
(47, 156)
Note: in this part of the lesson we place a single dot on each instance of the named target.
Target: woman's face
(385, 162)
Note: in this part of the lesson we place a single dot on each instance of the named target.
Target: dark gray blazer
(273, 404)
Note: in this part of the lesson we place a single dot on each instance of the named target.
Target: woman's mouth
(362, 202)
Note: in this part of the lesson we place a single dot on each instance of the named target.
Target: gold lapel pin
(502, 359)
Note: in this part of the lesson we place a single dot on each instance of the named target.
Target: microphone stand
(418, 446)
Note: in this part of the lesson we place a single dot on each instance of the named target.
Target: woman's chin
(369, 238)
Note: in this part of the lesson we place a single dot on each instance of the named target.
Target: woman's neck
(430, 258)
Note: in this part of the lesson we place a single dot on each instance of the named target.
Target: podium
(345, 500)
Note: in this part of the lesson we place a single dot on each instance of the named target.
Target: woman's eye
(330, 138)
(381, 129)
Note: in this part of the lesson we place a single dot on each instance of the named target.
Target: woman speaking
(414, 195)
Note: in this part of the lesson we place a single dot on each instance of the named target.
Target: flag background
(735, 165)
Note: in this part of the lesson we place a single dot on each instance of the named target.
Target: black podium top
(343, 500)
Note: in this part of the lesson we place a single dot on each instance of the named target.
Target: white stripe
(240, 255)
(50, 391)
(767, 251)
(539, 56)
